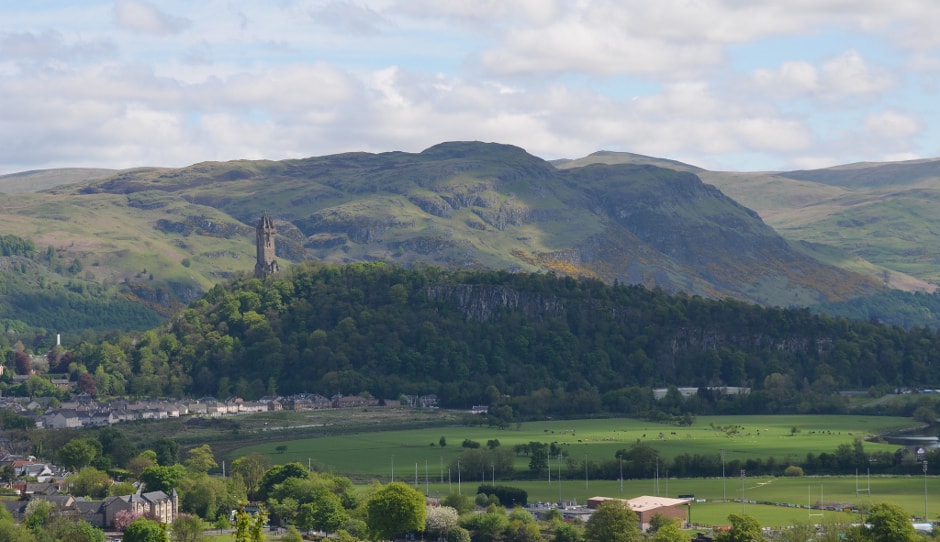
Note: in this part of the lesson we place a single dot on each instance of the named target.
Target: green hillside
(42, 294)
(555, 346)
(36, 180)
(880, 215)
(162, 236)
(176, 232)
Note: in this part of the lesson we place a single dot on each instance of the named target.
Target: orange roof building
(647, 506)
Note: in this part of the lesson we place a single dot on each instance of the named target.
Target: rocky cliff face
(481, 301)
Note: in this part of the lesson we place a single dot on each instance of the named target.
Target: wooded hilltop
(527, 345)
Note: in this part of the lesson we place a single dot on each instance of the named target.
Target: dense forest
(42, 294)
(526, 344)
(894, 307)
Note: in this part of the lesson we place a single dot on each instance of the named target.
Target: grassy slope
(36, 180)
(116, 242)
(456, 204)
(877, 215)
(494, 206)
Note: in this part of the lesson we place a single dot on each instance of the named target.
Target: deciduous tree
(669, 532)
(613, 521)
(145, 530)
(395, 509)
(889, 523)
(200, 459)
(744, 528)
(78, 453)
(90, 482)
(441, 519)
(186, 528)
(278, 474)
(162, 478)
(251, 468)
(22, 363)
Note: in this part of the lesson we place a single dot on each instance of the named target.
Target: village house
(162, 507)
(156, 504)
(62, 419)
(41, 472)
(83, 411)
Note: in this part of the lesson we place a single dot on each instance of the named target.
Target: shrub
(508, 496)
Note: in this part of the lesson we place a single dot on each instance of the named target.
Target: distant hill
(41, 179)
(873, 175)
(874, 218)
(165, 235)
(614, 158)
(459, 205)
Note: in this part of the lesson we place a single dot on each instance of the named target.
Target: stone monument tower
(264, 242)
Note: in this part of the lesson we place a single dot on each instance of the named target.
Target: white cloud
(237, 78)
(845, 75)
(348, 17)
(793, 79)
(893, 125)
(286, 89)
(569, 46)
(483, 13)
(849, 74)
(140, 16)
(50, 44)
(139, 124)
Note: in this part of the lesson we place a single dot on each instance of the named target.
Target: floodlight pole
(925, 491)
(621, 474)
(743, 500)
(724, 495)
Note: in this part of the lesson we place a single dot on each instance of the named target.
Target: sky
(737, 85)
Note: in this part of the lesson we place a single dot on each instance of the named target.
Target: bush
(508, 496)
(458, 534)
(793, 470)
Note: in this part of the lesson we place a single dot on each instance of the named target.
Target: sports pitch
(415, 456)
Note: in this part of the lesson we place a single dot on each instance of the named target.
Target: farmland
(370, 454)
(416, 456)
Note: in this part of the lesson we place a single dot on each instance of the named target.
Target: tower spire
(264, 243)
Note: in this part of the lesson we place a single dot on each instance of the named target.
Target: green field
(414, 456)
(373, 454)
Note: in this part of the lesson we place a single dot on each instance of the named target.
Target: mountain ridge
(461, 205)
(876, 213)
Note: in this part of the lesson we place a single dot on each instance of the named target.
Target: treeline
(525, 344)
(642, 460)
(46, 293)
(11, 245)
(79, 307)
(893, 307)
